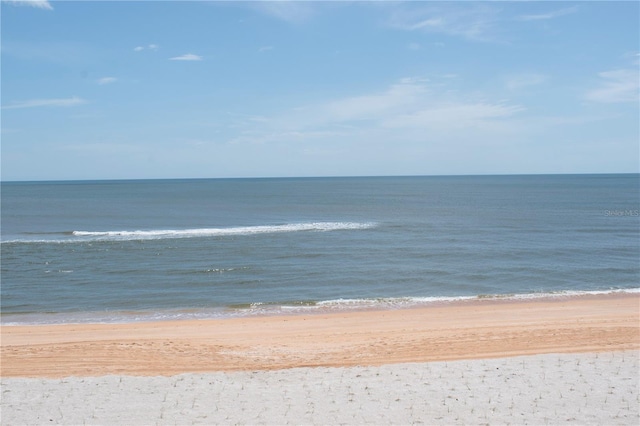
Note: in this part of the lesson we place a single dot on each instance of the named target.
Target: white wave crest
(220, 232)
(274, 309)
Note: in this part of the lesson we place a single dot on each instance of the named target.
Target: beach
(579, 389)
(552, 360)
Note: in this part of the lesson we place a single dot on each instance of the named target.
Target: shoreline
(272, 309)
(478, 329)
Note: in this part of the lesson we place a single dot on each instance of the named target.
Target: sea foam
(157, 234)
(284, 308)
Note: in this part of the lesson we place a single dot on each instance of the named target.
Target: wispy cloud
(147, 47)
(460, 114)
(548, 15)
(617, 86)
(471, 22)
(40, 4)
(433, 23)
(396, 98)
(253, 137)
(265, 48)
(187, 57)
(35, 103)
(633, 56)
(107, 80)
(408, 109)
(521, 81)
(288, 11)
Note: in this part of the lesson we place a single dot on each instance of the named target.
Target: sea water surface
(112, 251)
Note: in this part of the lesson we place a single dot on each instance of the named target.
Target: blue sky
(125, 90)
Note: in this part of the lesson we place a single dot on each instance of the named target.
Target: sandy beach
(463, 330)
(560, 360)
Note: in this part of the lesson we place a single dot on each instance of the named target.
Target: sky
(168, 89)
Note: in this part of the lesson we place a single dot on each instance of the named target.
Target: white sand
(540, 389)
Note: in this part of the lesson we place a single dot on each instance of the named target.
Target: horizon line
(2, 181)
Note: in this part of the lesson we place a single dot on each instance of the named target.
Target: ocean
(120, 251)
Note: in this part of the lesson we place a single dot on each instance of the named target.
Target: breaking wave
(156, 234)
(291, 308)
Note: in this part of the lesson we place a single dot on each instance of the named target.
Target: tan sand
(464, 330)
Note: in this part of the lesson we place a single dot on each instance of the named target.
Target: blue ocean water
(107, 251)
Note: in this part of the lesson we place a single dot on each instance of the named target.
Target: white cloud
(427, 23)
(147, 47)
(187, 57)
(458, 114)
(40, 4)
(288, 11)
(548, 15)
(617, 86)
(107, 80)
(634, 57)
(34, 103)
(477, 22)
(398, 96)
(253, 137)
(407, 110)
(414, 46)
(265, 48)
